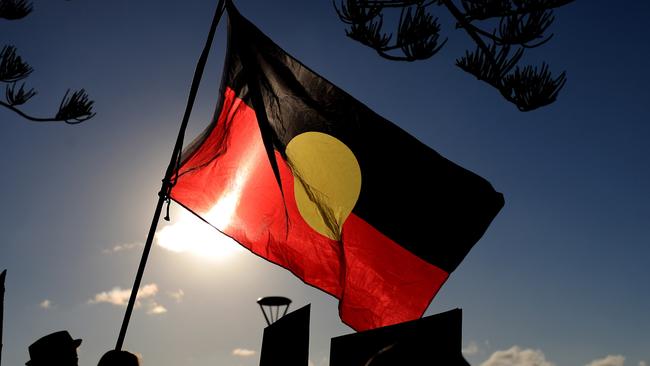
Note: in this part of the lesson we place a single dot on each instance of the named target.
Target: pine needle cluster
(74, 108)
(501, 30)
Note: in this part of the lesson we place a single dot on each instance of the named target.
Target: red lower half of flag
(228, 182)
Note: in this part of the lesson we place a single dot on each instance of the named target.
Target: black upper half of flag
(432, 207)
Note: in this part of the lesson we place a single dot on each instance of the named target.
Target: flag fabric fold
(307, 177)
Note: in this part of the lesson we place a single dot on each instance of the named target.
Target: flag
(432, 340)
(303, 175)
(286, 342)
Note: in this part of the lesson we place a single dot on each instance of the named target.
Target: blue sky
(562, 273)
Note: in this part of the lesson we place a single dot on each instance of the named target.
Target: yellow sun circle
(327, 181)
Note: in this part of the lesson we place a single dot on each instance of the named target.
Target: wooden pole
(3, 275)
(166, 187)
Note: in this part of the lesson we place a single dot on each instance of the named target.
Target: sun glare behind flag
(305, 176)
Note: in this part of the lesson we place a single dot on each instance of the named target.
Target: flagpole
(3, 275)
(165, 189)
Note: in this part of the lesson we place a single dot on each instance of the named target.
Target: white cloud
(516, 356)
(122, 247)
(243, 352)
(45, 304)
(120, 297)
(156, 309)
(177, 295)
(471, 349)
(610, 360)
(642, 363)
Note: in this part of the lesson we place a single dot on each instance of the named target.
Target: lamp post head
(273, 307)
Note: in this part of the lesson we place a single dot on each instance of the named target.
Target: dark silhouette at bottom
(286, 342)
(56, 349)
(119, 358)
(433, 340)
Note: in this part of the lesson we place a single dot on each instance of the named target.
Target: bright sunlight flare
(188, 234)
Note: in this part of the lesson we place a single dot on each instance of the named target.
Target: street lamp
(270, 306)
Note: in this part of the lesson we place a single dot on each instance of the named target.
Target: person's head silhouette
(119, 358)
(58, 349)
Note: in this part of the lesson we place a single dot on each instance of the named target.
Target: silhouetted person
(56, 349)
(119, 358)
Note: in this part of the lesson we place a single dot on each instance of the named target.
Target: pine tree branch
(418, 31)
(522, 8)
(530, 88)
(522, 24)
(456, 13)
(500, 41)
(396, 3)
(74, 109)
(18, 96)
(352, 12)
(15, 9)
(26, 116)
(12, 66)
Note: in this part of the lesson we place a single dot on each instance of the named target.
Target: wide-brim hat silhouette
(46, 348)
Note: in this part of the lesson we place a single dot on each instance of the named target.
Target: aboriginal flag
(304, 175)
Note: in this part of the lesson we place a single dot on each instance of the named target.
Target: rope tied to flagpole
(172, 168)
(172, 180)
